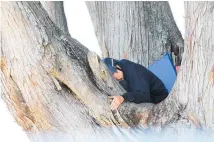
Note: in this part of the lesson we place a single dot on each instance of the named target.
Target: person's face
(118, 75)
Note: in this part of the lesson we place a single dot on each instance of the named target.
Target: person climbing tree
(141, 84)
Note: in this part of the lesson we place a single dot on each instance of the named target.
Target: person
(141, 84)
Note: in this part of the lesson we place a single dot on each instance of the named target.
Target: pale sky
(80, 27)
(177, 8)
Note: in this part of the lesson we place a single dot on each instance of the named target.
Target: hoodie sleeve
(141, 95)
(125, 85)
(137, 97)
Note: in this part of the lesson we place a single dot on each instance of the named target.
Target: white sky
(177, 8)
(81, 28)
(80, 24)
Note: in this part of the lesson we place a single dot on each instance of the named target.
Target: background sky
(81, 28)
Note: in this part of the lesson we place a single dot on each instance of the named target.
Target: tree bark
(55, 11)
(198, 63)
(138, 31)
(35, 97)
(43, 70)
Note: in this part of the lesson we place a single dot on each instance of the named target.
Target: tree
(197, 78)
(55, 11)
(139, 31)
(32, 110)
(53, 83)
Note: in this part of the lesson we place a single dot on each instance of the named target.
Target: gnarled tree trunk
(139, 31)
(53, 83)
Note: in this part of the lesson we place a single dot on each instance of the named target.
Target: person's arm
(140, 96)
(118, 100)
(137, 97)
(124, 84)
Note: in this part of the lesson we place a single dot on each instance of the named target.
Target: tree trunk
(197, 82)
(55, 11)
(53, 83)
(138, 31)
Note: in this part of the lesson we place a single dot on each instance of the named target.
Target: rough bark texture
(138, 31)
(43, 70)
(198, 63)
(55, 11)
(35, 97)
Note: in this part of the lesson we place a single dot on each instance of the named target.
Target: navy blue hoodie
(141, 84)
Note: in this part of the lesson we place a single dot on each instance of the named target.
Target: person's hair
(118, 68)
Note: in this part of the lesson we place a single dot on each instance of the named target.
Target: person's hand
(116, 102)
